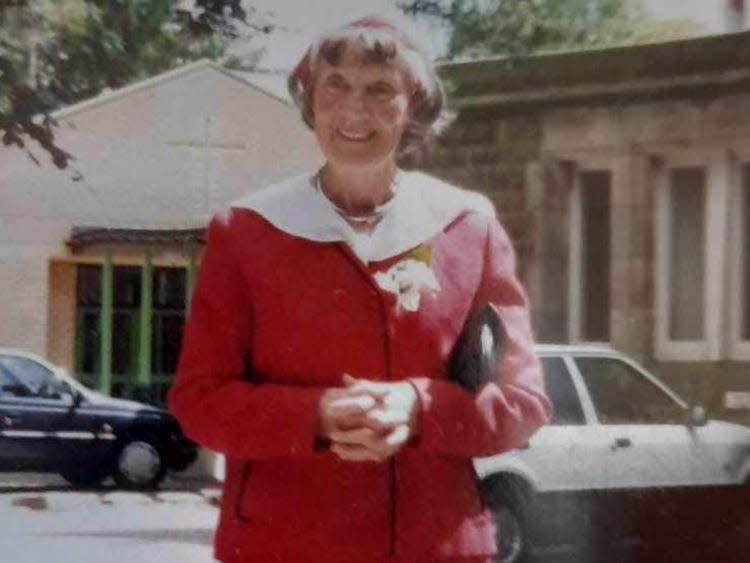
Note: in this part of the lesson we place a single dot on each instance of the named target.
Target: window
(126, 302)
(691, 275)
(744, 254)
(566, 405)
(595, 244)
(739, 264)
(687, 226)
(622, 395)
(590, 257)
(168, 302)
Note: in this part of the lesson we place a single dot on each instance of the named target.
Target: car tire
(511, 534)
(506, 499)
(140, 464)
(84, 476)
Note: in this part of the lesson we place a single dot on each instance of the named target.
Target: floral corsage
(409, 278)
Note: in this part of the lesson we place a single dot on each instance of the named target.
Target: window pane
(621, 395)
(125, 328)
(89, 285)
(687, 254)
(595, 255)
(88, 347)
(562, 393)
(165, 341)
(745, 250)
(169, 288)
(127, 286)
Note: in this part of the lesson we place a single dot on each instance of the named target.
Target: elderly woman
(315, 354)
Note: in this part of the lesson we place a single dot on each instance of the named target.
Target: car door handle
(621, 443)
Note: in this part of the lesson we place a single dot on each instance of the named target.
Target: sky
(709, 13)
(302, 22)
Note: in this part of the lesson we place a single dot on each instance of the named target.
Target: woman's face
(360, 111)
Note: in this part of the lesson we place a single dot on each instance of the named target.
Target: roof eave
(690, 86)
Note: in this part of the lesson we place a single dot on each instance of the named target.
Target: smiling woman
(316, 351)
(370, 96)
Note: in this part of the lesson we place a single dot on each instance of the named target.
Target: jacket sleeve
(215, 403)
(501, 415)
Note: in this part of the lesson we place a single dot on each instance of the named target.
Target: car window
(37, 379)
(622, 395)
(562, 393)
(10, 386)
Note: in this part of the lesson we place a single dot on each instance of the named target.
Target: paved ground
(43, 521)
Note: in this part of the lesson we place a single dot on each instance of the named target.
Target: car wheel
(511, 533)
(84, 476)
(140, 464)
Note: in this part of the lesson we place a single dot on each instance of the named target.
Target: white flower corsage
(408, 279)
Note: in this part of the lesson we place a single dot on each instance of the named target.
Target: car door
(34, 408)
(18, 449)
(717, 453)
(649, 443)
(568, 454)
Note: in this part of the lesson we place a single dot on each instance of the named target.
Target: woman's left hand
(385, 428)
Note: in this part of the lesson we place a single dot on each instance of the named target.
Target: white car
(615, 428)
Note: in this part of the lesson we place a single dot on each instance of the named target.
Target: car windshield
(622, 395)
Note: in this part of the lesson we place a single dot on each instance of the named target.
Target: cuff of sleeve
(421, 387)
(302, 423)
(321, 445)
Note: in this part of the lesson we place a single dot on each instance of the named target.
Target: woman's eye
(336, 83)
(382, 91)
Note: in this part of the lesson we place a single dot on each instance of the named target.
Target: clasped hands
(368, 420)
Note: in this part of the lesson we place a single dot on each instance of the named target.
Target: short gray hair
(380, 42)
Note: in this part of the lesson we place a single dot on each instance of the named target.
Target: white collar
(421, 207)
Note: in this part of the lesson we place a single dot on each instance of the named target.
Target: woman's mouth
(355, 136)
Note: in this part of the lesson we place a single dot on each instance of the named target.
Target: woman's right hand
(368, 420)
(340, 409)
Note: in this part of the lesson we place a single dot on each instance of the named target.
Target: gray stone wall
(706, 384)
(526, 164)
(490, 154)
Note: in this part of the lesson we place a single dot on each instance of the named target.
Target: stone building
(623, 176)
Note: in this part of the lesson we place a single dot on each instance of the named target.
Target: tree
(56, 53)
(519, 27)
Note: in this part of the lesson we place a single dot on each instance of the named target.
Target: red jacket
(276, 318)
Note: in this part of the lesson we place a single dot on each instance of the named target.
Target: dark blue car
(50, 422)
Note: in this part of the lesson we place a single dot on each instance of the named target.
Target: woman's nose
(355, 102)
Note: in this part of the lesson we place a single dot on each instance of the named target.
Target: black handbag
(478, 350)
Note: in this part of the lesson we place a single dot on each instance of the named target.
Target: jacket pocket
(239, 492)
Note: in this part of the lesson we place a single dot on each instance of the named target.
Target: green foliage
(519, 27)
(57, 52)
